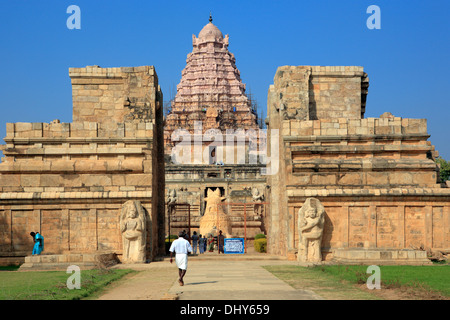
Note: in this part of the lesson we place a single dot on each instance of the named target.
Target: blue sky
(407, 60)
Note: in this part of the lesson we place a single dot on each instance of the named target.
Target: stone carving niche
(133, 230)
(311, 218)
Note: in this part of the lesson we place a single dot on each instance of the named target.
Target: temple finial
(210, 17)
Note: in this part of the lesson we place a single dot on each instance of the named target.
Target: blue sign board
(234, 245)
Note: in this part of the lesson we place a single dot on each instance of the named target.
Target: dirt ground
(150, 284)
(403, 293)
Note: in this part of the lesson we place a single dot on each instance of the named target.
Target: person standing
(194, 242)
(205, 243)
(201, 244)
(181, 247)
(220, 241)
(210, 243)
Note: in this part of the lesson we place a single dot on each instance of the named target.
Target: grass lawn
(435, 277)
(348, 282)
(325, 285)
(51, 285)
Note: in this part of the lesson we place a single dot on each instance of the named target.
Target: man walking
(181, 247)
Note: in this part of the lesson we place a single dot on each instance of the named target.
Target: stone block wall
(70, 180)
(70, 223)
(316, 92)
(398, 219)
(376, 177)
(359, 153)
(77, 157)
(115, 94)
(337, 92)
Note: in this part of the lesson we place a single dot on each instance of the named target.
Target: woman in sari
(38, 243)
(210, 243)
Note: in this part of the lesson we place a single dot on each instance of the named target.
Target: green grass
(51, 285)
(9, 268)
(325, 285)
(434, 278)
(338, 281)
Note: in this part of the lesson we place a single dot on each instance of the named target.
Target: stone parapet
(340, 71)
(369, 192)
(21, 131)
(22, 196)
(354, 129)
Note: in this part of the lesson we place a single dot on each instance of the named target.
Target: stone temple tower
(210, 90)
(211, 99)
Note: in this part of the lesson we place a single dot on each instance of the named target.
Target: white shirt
(180, 245)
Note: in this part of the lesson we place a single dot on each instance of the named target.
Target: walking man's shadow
(196, 283)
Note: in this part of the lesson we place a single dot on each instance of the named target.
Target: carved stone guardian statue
(172, 197)
(256, 195)
(311, 218)
(132, 227)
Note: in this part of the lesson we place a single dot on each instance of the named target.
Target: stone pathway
(209, 277)
(235, 280)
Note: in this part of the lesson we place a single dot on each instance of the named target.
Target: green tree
(444, 168)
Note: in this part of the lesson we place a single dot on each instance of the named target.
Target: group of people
(207, 243)
(182, 247)
(200, 241)
(203, 243)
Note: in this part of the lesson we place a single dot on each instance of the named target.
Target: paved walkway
(235, 280)
(209, 277)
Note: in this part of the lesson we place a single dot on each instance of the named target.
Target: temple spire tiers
(210, 90)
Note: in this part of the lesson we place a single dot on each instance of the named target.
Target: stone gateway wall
(376, 177)
(69, 180)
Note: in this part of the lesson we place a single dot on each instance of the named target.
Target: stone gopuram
(210, 90)
(210, 106)
(376, 177)
(69, 181)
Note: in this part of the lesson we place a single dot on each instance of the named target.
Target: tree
(444, 168)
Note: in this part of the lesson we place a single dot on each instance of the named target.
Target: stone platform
(63, 261)
(381, 257)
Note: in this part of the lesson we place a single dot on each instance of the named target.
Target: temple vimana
(320, 180)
